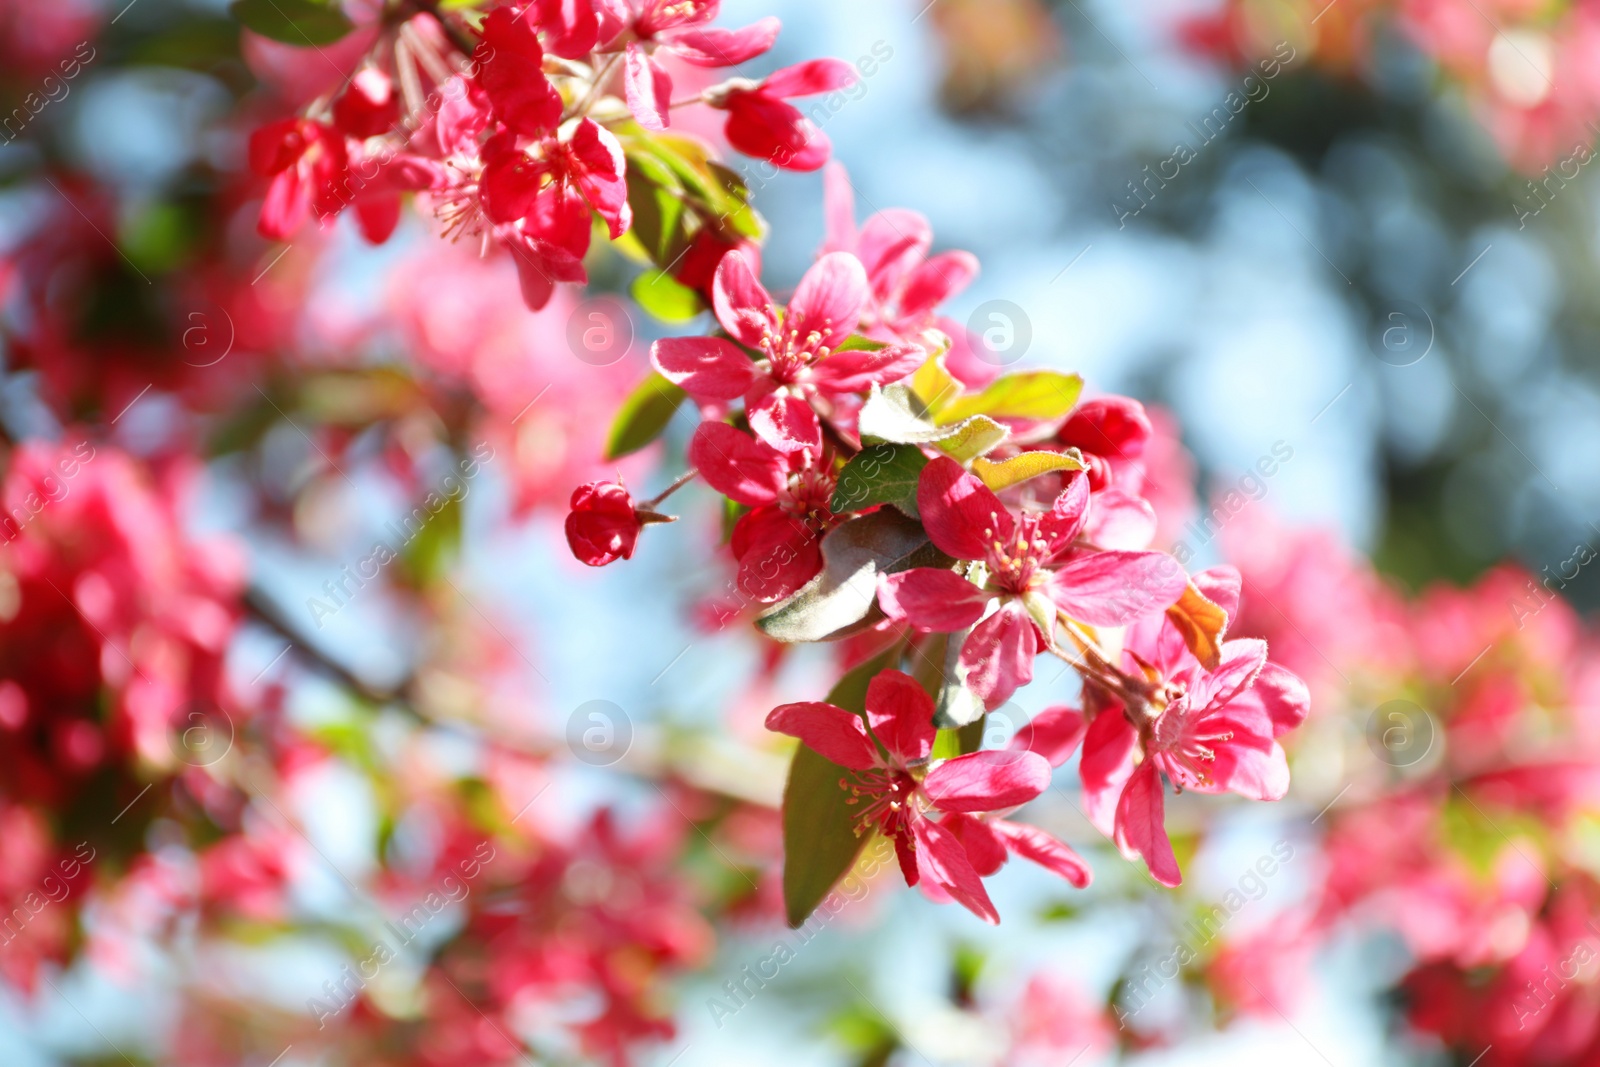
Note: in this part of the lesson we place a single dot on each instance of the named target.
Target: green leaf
(1025, 465)
(819, 837)
(856, 343)
(895, 414)
(434, 546)
(880, 474)
(664, 297)
(1037, 394)
(299, 22)
(973, 438)
(658, 215)
(845, 592)
(644, 415)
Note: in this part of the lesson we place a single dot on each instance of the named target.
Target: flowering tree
(189, 415)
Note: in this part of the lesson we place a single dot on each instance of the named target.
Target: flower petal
(767, 128)
(1032, 843)
(737, 465)
(1106, 765)
(987, 781)
(858, 369)
(648, 88)
(707, 368)
(717, 46)
(985, 848)
(785, 422)
(1121, 520)
(777, 554)
(838, 212)
(1242, 661)
(743, 307)
(957, 508)
(1141, 825)
(943, 861)
(1054, 733)
(833, 732)
(1284, 697)
(937, 279)
(900, 713)
(828, 300)
(998, 655)
(1115, 588)
(809, 78)
(931, 598)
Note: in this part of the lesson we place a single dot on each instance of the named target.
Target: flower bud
(603, 526)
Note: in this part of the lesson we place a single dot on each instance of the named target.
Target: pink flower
(1032, 563)
(307, 163)
(797, 361)
(510, 65)
(1211, 732)
(603, 525)
(777, 542)
(680, 28)
(898, 799)
(906, 285)
(762, 124)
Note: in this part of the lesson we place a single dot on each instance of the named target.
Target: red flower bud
(603, 526)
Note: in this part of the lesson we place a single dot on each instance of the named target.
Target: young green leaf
(299, 22)
(880, 474)
(1037, 394)
(664, 297)
(645, 413)
(1025, 465)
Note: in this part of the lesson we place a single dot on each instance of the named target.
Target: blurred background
(1356, 236)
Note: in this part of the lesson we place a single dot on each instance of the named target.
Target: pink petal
(716, 46)
(1242, 661)
(648, 88)
(1032, 843)
(737, 465)
(785, 422)
(858, 369)
(936, 280)
(931, 598)
(893, 242)
(707, 368)
(829, 298)
(985, 848)
(1253, 767)
(957, 508)
(998, 654)
(838, 211)
(942, 861)
(1107, 763)
(1064, 521)
(1283, 696)
(777, 553)
(900, 713)
(601, 174)
(743, 307)
(809, 78)
(987, 781)
(286, 206)
(1141, 824)
(378, 216)
(767, 128)
(1220, 585)
(1114, 588)
(1054, 733)
(833, 732)
(1121, 520)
